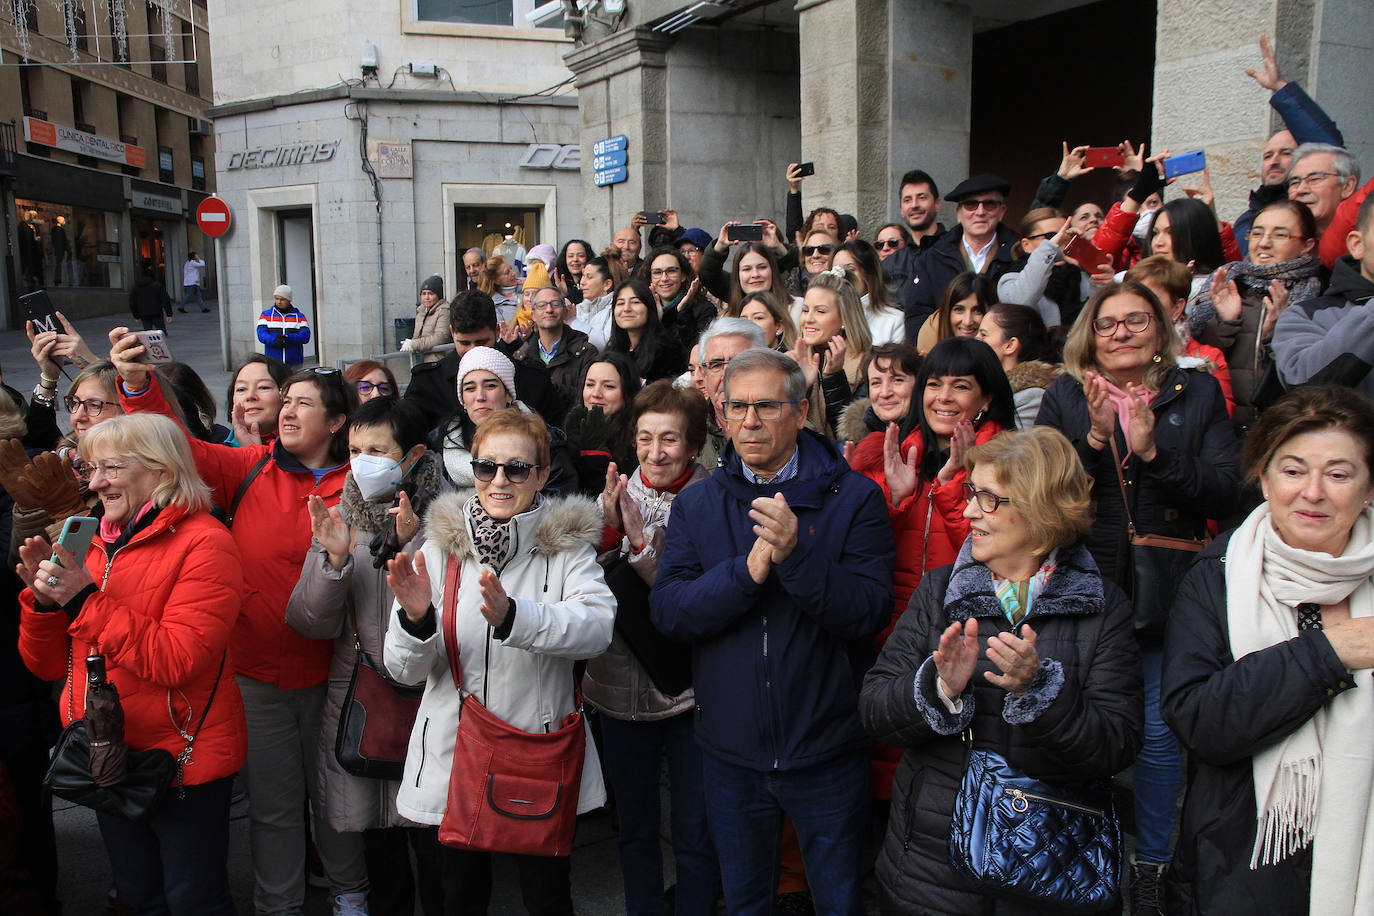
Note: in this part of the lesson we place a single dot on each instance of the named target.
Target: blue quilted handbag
(1014, 836)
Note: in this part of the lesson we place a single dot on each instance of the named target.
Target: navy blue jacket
(930, 272)
(777, 667)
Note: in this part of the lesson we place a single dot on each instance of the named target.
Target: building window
(77, 32)
(481, 12)
(188, 54)
(197, 173)
(62, 245)
(157, 54)
(165, 163)
(31, 17)
(119, 50)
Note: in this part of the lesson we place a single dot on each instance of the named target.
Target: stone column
(622, 88)
(885, 87)
(1203, 99)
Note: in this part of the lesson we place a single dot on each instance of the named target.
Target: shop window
(61, 245)
(496, 230)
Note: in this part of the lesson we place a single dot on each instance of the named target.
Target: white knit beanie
(494, 361)
(284, 291)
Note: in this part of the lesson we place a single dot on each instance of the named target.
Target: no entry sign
(212, 216)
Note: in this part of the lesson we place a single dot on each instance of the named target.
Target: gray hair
(758, 359)
(482, 255)
(1341, 160)
(732, 327)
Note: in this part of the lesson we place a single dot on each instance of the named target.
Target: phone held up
(1184, 163)
(652, 217)
(806, 168)
(745, 232)
(76, 536)
(156, 351)
(1097, 157)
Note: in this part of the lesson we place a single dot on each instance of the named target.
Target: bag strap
(243, 487)
(453, 575)
(1120, 479)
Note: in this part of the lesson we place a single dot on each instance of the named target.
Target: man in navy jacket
(778, 569)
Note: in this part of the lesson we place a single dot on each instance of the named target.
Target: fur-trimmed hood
(853, 424)
(553, 526)
(370, 515)
(1033, 373)
(1075, 586)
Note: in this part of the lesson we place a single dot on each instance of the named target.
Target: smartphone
(1104, 157)
(39, 309)
(1088, 256)
(652, 217)
(156, 352)
(745, 232)
(806, 168)
(76, 536)
(1184, 164)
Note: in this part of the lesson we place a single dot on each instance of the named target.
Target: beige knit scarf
(1314, 785)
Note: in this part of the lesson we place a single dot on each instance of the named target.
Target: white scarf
(1314, 784)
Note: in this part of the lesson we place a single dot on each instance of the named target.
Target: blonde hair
(12, 421)
(1050, 489)
(1080, 348)
(780, 313)
(158, 443)
(853, 320)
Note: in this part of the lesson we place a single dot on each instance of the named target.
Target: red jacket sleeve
(43, 642)
(1332, 247)
(1111, 237)
(222, 467)
(178, 642)
(1229, 247)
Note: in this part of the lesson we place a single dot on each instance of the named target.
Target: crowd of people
(811, 526)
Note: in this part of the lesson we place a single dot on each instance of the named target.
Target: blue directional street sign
(616, 144)
(615, 175)
(609, 160)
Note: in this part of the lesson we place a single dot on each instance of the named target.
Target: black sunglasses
(516, 471)
(809, 250)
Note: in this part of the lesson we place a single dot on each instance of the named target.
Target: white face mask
(375, 475)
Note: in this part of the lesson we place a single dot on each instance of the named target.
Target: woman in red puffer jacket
(911, 440)
(157, 596)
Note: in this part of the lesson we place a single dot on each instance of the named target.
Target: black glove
(597, 431)
(281, 341)
(1146, 183)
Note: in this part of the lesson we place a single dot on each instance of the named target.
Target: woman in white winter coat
(531, 601)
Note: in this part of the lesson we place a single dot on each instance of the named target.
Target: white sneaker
(350, 905)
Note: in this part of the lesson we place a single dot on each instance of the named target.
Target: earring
(1157, 359)
(978, 417)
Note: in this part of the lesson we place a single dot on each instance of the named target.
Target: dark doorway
(1085, 76)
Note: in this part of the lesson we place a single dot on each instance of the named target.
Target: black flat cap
(979, 184)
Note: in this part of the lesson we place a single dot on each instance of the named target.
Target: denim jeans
(1157, 772)
(829, 806)
(631, 754)
(192, 290)
(176, 861)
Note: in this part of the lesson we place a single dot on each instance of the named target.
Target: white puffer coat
(564, 612)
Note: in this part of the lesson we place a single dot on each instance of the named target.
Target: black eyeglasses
(884, 244)
(383, 388)
(809, 250)
(1044, 235)
(971, 205)
(516, 471)
(92, 406)
(988, 501)
(1135, 322)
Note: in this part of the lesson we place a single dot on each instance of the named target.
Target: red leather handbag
(509, 790)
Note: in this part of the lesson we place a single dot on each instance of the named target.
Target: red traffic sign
(212, 216)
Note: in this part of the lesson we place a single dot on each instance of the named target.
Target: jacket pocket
(913, 794)
(424, 751)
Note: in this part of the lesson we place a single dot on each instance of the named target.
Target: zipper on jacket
(1019, 802)
(768, 695)
(424, 735)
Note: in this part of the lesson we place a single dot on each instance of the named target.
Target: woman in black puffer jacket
(1063, 701)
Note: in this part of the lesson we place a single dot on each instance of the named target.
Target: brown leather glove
(56, 489)
(14, 461)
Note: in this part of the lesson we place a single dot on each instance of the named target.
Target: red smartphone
(1088, 257)
(1104, 157)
